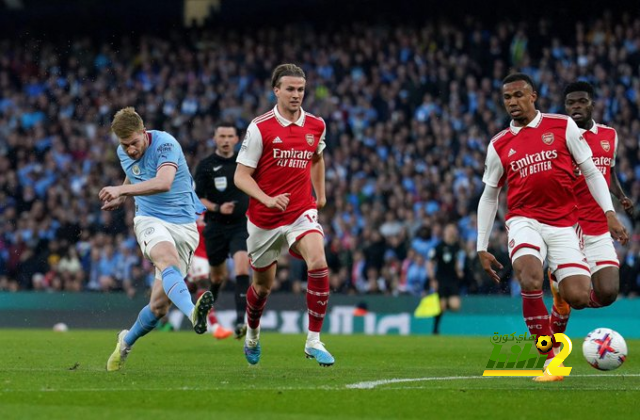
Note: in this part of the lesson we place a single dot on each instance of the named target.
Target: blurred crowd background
(410, 108)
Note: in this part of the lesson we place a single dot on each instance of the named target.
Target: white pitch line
(373, 384)
(358, 385)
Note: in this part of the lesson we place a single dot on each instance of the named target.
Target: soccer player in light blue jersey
(166, 206)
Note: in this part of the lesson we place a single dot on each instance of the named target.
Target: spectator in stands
(408, 121)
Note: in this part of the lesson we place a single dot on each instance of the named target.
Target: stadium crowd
(409, 112)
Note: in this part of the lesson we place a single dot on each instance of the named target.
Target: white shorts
(264, 245)
(559, 246)
(600, 251)
(199, 269)
(151, 230)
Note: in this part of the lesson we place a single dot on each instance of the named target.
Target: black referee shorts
(449, 288)
(222, 241)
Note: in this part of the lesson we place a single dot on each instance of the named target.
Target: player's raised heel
(252, 351)
(241, 331)
(316, 350)
(119, 355)
(200, 312)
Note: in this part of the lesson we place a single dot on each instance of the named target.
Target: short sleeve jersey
(281, 152)
(537, 164)
(603, 142)
(178, 205)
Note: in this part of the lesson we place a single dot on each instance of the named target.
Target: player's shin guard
(535, 313)
(177, 290)
(255, 306)
(145, 322)
(242, 283)
(317, 297)
(558, 322)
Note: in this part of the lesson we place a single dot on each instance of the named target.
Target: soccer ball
(604, 349)
(60, 327)
(544, 343)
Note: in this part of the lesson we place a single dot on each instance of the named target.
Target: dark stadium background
(34, 22)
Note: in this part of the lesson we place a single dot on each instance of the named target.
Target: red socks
(317, 297)
(535, 313)
(558, 322)
(255, 306)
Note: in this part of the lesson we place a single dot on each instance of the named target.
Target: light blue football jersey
(178, 205)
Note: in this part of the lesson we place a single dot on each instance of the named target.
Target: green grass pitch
(48, 375)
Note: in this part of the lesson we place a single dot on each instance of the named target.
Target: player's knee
(530, 279)
(262, 290)
(316, 262)
(577, 299)
(454, 306)
(606, 286)
(607, 294)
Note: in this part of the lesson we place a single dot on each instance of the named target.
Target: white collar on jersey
(593, 129)
(285, 122)
(533, 123)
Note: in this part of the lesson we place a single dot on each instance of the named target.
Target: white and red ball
(604, 349)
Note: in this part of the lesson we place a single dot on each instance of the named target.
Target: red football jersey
(201, 250)
(603, 142)
(281, 153)
(537, 163)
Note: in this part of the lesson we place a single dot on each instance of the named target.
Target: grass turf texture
(47, 375)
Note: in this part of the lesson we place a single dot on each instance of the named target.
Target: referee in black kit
(226, 221)
(444, 268)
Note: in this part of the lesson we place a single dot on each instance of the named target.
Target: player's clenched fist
(113, 204)
(279, 202)
(109, 193)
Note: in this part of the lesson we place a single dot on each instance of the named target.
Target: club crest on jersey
(135, 170)
(605, 145)
(512, 243)
(548, 138)
(220, 183)
(310, 139)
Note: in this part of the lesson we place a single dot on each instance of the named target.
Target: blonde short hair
(126, 122)
(286, 70)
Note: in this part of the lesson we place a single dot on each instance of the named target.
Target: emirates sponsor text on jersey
(534, 163)
(292, 158)
(603, 163)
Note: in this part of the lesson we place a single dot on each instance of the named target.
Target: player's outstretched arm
(317, 179)
(487, 209)
(159, 184)
(118, 202)
(598, 189)
(243, 179)
(581, 153)
(616, 189)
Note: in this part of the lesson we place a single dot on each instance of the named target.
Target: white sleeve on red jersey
(577, 145)
(321, 143)
(597, 185)
(615, 149)
(251, 150)
(487, 209)
(493, 170)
